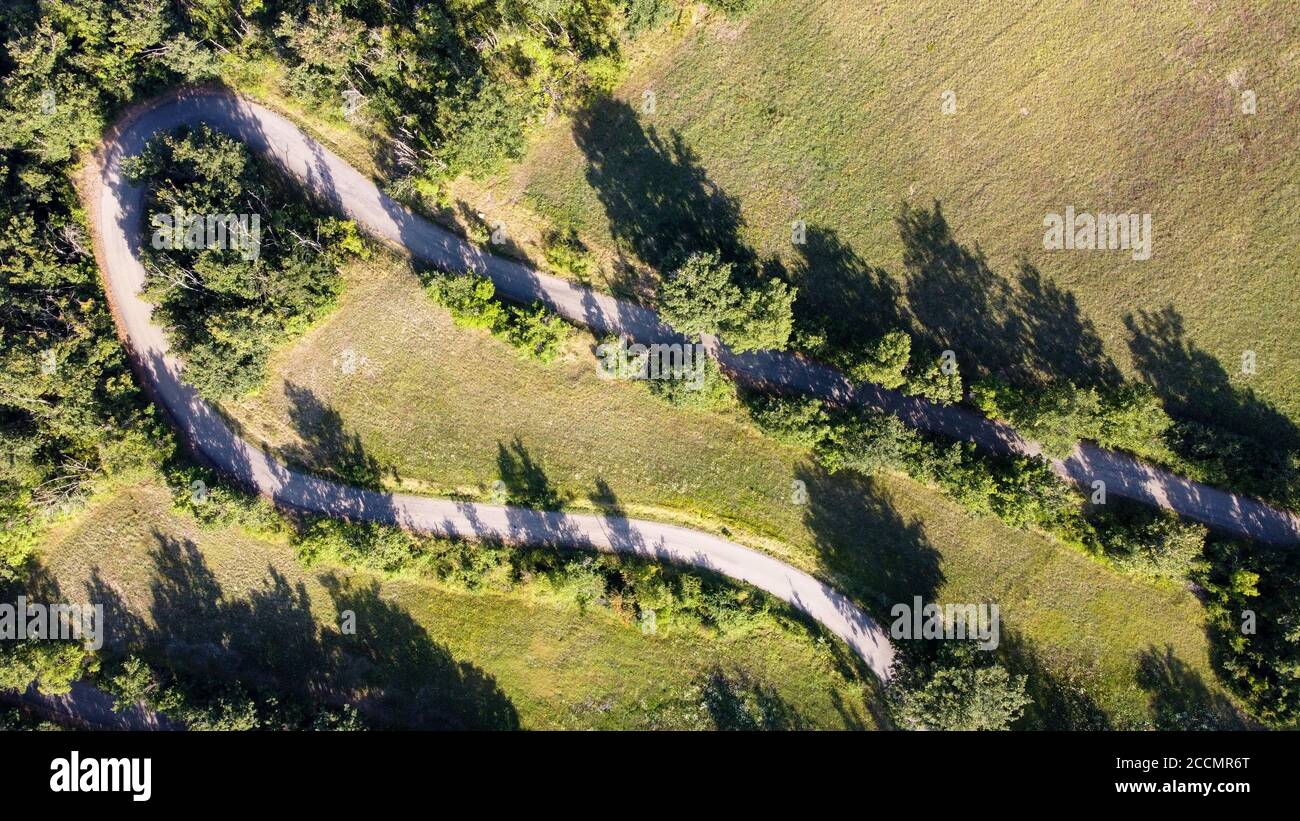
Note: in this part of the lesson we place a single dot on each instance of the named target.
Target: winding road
(116, 216)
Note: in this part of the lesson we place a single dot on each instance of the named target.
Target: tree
(952, 685)
(940, 382)
(229, 298)
(868, 442)
(765, 318)
(1061, 414)
(1244, 579)
(884, 362)
(52, 666)
(959, 698)
(702, 297)
(1057, 416)
(134, 684)
(800, 421)
(1134, 419)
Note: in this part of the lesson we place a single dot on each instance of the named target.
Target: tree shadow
(739, 702)
(326, 445)
(876, 557)
(1061, 700)
(1241, 439)
(1194, 384)
(842, 298)
(526, 482)
(1179, 697)
(267, 639)
(123, 627)
(660, 203)
(409, 679)
(34, 581)
(1026, 330)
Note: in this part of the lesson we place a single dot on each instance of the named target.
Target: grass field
(389, 389)
(831, 113)
(526, 657)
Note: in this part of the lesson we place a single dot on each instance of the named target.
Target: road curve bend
(116, 211)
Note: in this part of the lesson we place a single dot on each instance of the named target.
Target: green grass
(443, 410)
(830, 112)
(526, 652)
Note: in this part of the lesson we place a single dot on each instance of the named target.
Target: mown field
(520, 658)
(388, 389)
(830, 113)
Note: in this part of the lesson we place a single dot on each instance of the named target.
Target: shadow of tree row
(1023, 327)
(661, 205)
(267, 638)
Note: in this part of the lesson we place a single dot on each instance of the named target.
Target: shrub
(732, 8)
(565, 253)
(645, 15)
(583, 580)
(536, 331)
(356, 544)
(1147, 541)
(741, 702)
(710, 390)
(470, 298)
(199, 702)
(795, 420)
